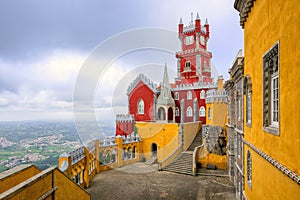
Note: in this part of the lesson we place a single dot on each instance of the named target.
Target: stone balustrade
(77, 155)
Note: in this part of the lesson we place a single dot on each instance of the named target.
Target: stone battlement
(145, 80)
(216, 96)
(197, 85)
(124, 117)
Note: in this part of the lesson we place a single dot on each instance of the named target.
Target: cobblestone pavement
(138, 181)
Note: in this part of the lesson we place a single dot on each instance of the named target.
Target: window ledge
(272, 129)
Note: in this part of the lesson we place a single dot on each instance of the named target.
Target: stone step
(151, 160)
(186, 172)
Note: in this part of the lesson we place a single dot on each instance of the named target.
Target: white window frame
(202, 94)
(271, 72)
(202, 111)
(249, 169)
(187, 66)
(189, 95)
(248, 93)
(274, 100)
(141, 106)
(248, 108)
(189, 112)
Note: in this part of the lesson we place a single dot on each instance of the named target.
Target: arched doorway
(161, 114)
(154, 149)
(170, 114)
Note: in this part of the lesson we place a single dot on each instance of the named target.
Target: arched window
(176, 111)
(202, 94)
(129, 153)
(176, 95)
(141, 106)
(124, 154)
(101, 158)
(249, 168)
(133, 151)
(187, 65)
(113, 156)
(209, 113)
(202, 111)
(189, 112)
(189, 95)
(248, 92)
(107, 157)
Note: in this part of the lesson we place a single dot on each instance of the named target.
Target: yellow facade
(190, 130)
(48, 184)
(165, 136)
(270, 22)
(17, 175)
(218, 113)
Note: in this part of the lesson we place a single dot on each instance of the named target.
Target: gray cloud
(44, 43)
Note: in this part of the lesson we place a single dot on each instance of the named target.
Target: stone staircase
(182, 165)
(184, 162)
(151, 160)
(196, 142)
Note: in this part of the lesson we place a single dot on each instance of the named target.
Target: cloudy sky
(43, 45)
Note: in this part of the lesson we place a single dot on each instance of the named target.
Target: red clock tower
(193, 61)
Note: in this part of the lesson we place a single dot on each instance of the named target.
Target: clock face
(189, 40)
(202, 40)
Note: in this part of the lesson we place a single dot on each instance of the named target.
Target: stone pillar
(154, 107)
(97, 151)
(86, 176)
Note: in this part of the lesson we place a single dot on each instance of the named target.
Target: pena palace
(180, 102)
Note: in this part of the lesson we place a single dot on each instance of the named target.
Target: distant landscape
(39, 142)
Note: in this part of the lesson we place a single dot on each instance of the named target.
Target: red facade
(144, 93)
(191, 84)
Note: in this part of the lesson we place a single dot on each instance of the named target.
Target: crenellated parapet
(125, 118)
(152, 86)
(197, 85)
(194, 51)
(215, 96)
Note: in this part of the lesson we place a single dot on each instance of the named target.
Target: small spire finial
(198, 16)
(180, 20)
(191, 17)
(206, 22)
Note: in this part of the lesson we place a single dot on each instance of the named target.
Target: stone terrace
(137, 181)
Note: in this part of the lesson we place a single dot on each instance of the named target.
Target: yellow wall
(41, 183)
(269, 22)
(165, 136)
(218, 113)
(190, 130)
(209, 120)
(17, 177)
(262, 31)
(67, 189)
(272, 183)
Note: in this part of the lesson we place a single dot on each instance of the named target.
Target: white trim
(189, 112)
(189, 95)
(140, 106)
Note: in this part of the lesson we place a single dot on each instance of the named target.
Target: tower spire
(197, 16)
(166, 83)
(180, 20)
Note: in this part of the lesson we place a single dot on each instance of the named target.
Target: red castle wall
(141, 91)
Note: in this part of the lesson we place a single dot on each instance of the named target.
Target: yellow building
(271, 98)
(216, 105)
(29, 182)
